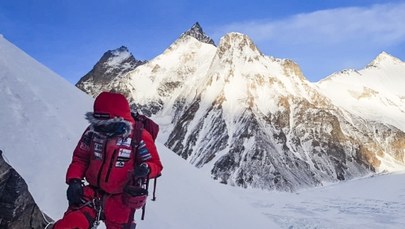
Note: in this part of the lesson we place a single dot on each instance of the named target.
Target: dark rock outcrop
(197, 32)
(17, 207)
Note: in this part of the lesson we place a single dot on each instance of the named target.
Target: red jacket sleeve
(80, 159)
(153, 162)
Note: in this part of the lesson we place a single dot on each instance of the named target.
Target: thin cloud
(375, 24)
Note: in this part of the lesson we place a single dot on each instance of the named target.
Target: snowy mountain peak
(116, 57)
(384, 59)
(113, 64)
(197, 32)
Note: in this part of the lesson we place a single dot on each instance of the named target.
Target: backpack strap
(137, 137)
(142, 122)
(135, 143)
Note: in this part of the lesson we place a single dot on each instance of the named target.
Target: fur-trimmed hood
(98, 122)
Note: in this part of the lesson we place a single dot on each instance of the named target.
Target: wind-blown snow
(118, 58)
(42, 118)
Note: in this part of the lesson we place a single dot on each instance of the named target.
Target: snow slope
(371, 203)
(41, 118)
(187, 198)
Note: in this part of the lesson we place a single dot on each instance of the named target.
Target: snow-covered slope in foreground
(41, 119)
(370, 203)
(187, 199)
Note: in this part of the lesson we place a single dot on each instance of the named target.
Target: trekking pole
(97, 205)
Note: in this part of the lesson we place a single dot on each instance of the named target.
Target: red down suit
(107, 162)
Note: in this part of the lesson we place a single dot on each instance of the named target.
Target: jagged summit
(114, 63)
(383, 59)
(197, 32)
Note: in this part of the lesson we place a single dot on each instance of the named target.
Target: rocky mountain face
(254, 120)
(17, 207)
(113, 64)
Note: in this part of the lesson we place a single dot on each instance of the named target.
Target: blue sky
(322, 36)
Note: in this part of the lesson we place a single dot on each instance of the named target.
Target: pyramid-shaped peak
(197, 26)
(113, 64)
(384, 59)
(197, 32)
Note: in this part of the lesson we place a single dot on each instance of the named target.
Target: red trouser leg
(73, 219)
(78, 217)
(117, 214)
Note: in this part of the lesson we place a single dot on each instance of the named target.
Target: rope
(46, 220)
(5, 158)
